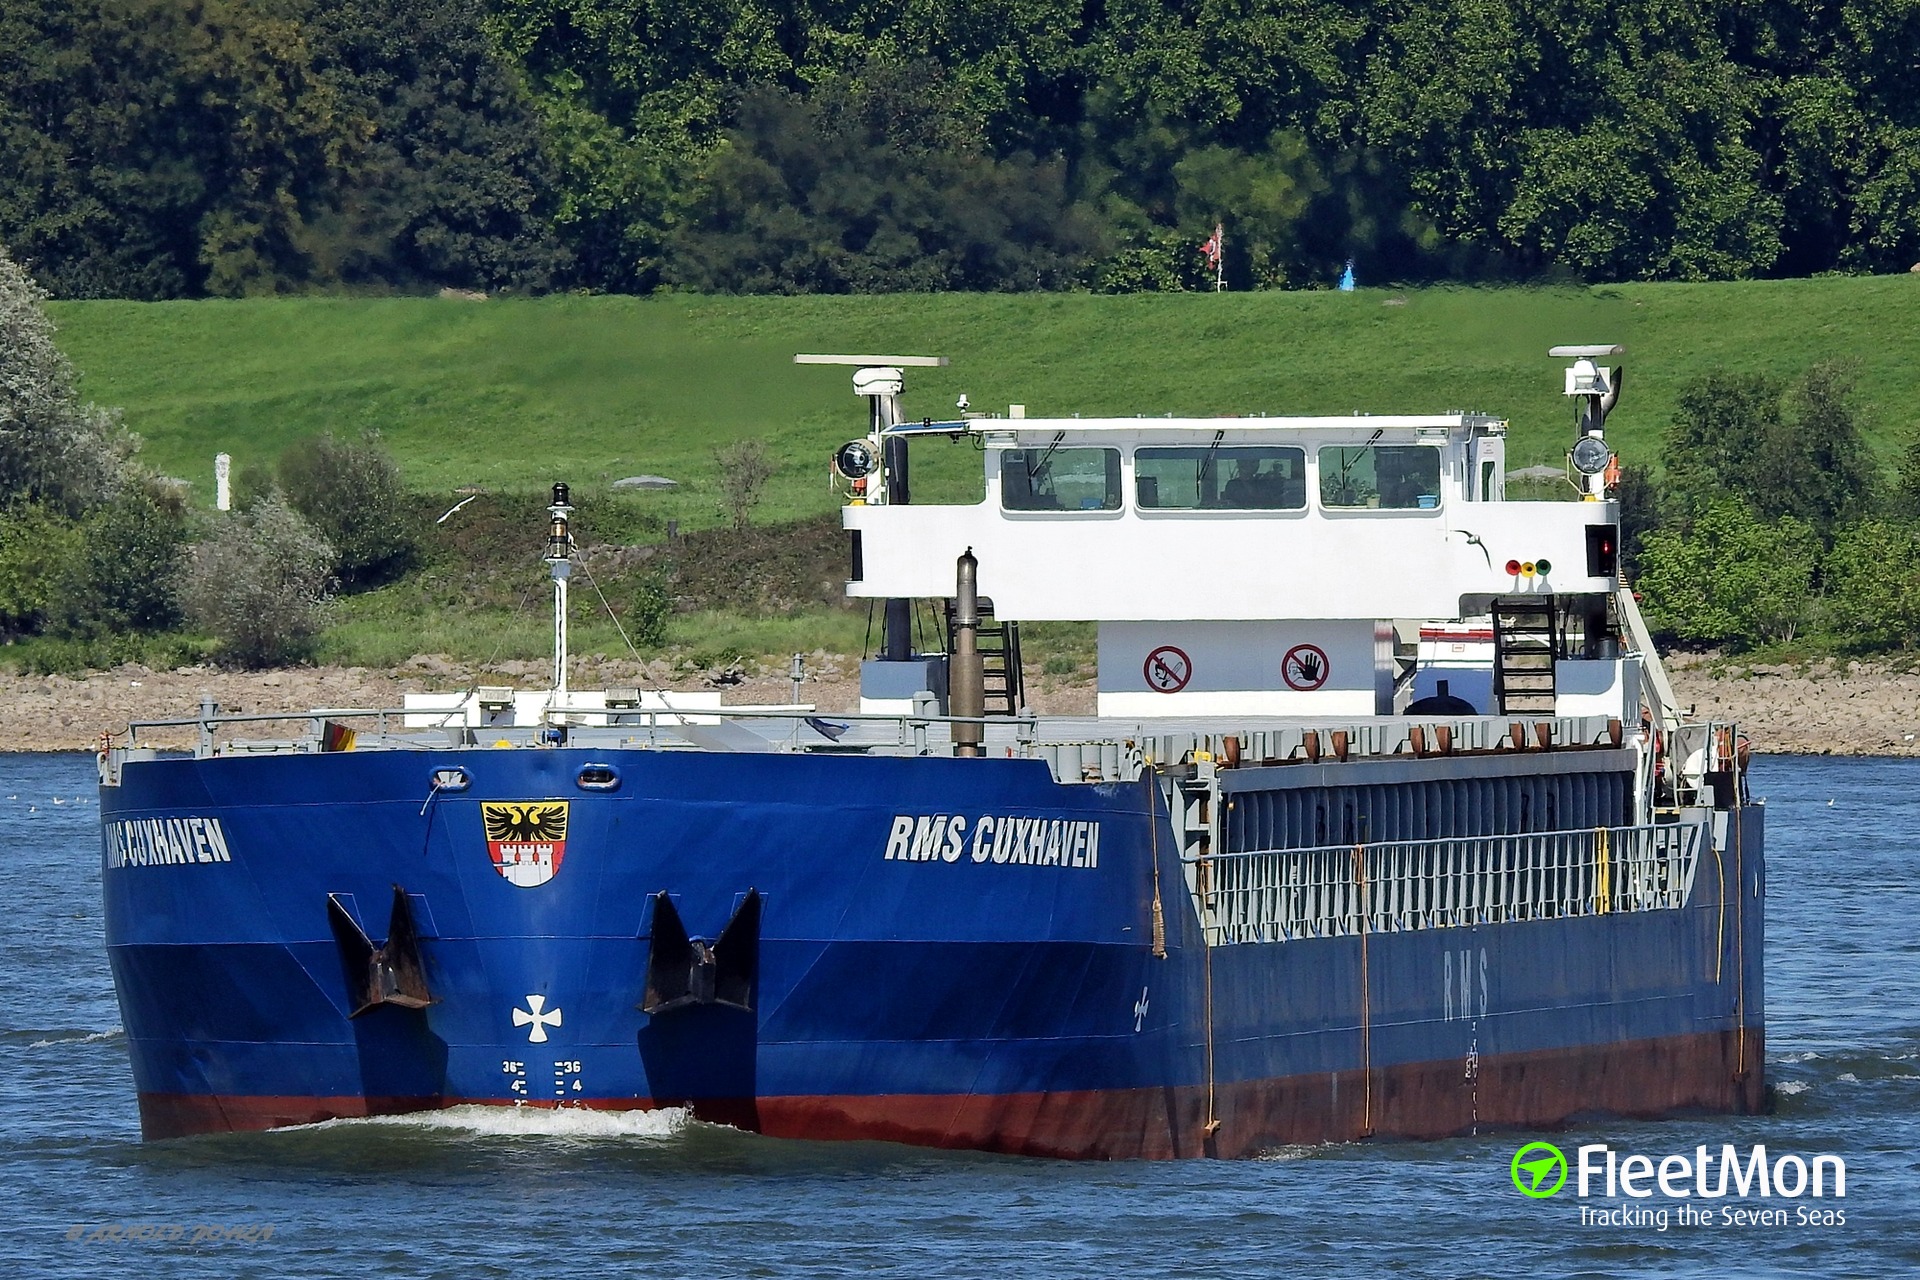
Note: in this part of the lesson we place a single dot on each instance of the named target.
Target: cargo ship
(1387, 824)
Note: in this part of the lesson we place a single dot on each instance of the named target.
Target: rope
(665, 702)
(609, 608)
(499, 643)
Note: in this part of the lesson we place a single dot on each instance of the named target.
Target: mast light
(559, 539)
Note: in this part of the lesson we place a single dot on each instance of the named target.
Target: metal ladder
(999, 643)
(1526, 641)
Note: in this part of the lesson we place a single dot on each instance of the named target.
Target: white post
(559, 560)
(222, 482)
(561, 569)
(1219, 257)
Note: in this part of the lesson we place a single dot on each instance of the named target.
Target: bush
(352, 494)
(1903, 498)
(647, 618)
(1731, 577)
(745, 469)
(125, 577)
(1873, 585)
(258, 585)
(36, 545)
(54, 451)
(1732, 435)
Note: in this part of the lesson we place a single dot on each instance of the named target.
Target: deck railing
(1281, 895)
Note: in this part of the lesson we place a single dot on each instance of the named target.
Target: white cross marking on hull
(537, 1016)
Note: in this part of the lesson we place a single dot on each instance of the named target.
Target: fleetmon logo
(1534, 1165)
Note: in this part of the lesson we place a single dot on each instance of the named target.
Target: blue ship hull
(998, 982)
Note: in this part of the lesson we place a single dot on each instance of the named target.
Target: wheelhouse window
(1060, 479)
(1384, 477)
(1197, 477)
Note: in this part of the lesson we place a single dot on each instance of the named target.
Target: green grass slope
(516, 393)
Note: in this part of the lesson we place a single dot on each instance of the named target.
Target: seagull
(962, 404)
(456, 506)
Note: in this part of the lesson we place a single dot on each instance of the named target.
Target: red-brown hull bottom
(1713, 1072)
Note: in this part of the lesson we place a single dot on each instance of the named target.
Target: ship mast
(560, 564)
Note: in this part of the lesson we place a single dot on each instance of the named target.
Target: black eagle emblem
(526, 823)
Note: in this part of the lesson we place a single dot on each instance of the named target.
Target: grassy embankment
(512, 394)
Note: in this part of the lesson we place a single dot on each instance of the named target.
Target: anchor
(390, 974)
(684, 971)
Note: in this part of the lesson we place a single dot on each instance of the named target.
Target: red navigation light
(1513, 568)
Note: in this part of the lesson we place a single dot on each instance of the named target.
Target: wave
(1297, 1151)
(90, 1038)
(521, 1122)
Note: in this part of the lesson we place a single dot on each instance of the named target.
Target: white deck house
(1242, 566)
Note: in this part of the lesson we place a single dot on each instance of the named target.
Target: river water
(491, 1193)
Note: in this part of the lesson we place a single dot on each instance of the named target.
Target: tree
(745, 469)
(1715, 431)
(1903, 500)
(353, 496)
(54, 450)
(35, 546)
(1733, 434)
(1873, 585)
(453, 184)
(162, 149)
(875, 183)
(1730, 577)
(124, 575)
(258, 584)
(158, 150)
(1816, 465)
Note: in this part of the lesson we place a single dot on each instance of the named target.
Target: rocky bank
(1837, 708)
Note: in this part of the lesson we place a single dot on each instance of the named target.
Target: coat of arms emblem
(526, 840)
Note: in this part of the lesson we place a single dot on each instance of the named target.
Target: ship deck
(1076, 748)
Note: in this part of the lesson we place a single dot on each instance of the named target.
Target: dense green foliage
(257, 584)
(1772, 519)
(34, 544)
(1793, 530)
(123, 576)
(352, 494)
(1729, 576)
(154, 148)
(874, 184)
(89, 543)
(1784, 452)
(54, 450)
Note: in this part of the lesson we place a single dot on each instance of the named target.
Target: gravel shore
(1830, 708)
